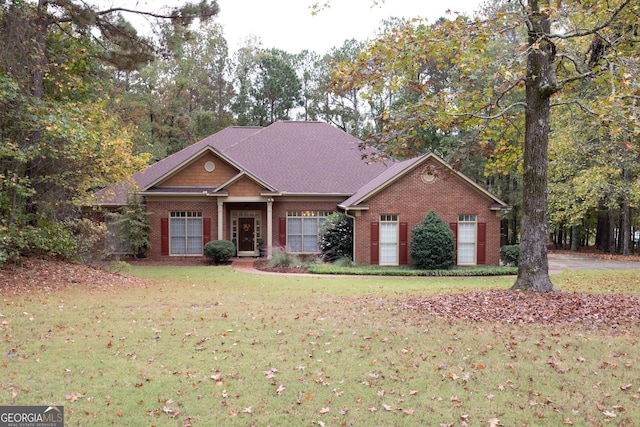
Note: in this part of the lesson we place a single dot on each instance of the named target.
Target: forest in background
(85, 100)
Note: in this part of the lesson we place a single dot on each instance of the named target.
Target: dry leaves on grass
(40, 276)
(530, 307)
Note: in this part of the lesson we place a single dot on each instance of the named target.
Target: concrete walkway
(559, 262)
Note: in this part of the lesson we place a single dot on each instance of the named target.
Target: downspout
(353, 218)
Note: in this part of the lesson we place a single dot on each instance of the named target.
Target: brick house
(272, 187)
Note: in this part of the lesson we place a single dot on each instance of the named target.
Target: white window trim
(464, 219)
(186, 215)
(319, 216)
(389, 219)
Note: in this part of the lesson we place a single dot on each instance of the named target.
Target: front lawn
(197, 346)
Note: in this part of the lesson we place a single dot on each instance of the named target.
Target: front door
(246, 235)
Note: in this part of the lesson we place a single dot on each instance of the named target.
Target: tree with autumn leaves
(59, 138)
(497, 77)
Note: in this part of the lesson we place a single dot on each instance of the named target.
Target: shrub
(336, 237)
(121, 267)
(219, 251)
(89, 236)
(134, 225)
(509, 255)
(281, 259)
(433, 244)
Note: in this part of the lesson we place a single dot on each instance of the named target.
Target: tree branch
(578, 103)
(495, 116)
(565, 82)
(597, 28)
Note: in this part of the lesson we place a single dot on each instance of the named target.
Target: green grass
(369, 270)
(208, 345)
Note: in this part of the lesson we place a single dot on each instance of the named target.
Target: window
(388, 239)
(302, 230)
(185, 233)
(467, 239)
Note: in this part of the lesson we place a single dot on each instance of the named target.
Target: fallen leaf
(325, 410)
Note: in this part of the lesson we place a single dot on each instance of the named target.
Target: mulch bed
(262, 265)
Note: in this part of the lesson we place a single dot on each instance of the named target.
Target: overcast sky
(289, 25)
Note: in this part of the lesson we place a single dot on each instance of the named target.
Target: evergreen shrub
(220, 251)
(433, 244)
(509, 255)
(336, 237)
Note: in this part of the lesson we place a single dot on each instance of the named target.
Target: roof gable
(207, 169)
(304, 158)
(400, 170)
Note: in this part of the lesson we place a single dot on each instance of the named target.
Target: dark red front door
(246, 233)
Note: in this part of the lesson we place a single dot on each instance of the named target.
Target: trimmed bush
(219, 251)
(433, 244)
(336, 237)
(509, 255)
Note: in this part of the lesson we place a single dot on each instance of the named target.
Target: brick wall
(412, 198)
(161, 208)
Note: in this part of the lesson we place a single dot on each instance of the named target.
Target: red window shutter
(482, 243)
(375, 243)
(282, 232)
(164, 236)
(206, 230)
(454, 228)
(404, 251)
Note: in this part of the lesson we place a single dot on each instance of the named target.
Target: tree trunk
(533, 265)
(602, 232)
(625, 233)
(514, 226)
(612, 232)
(575, 238)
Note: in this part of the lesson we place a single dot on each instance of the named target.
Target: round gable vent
(428, 177)
(209, 166)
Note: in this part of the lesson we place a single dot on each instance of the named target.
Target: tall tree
(185, 94)
(56, 142)
(277, 89)
(343, 104)
(565, 42)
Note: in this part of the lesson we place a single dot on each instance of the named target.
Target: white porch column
(269, 227)
(220, 219)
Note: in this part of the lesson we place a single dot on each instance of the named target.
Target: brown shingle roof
(304, 158)
(291, 157)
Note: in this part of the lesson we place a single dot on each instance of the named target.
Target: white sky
(289, 25)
